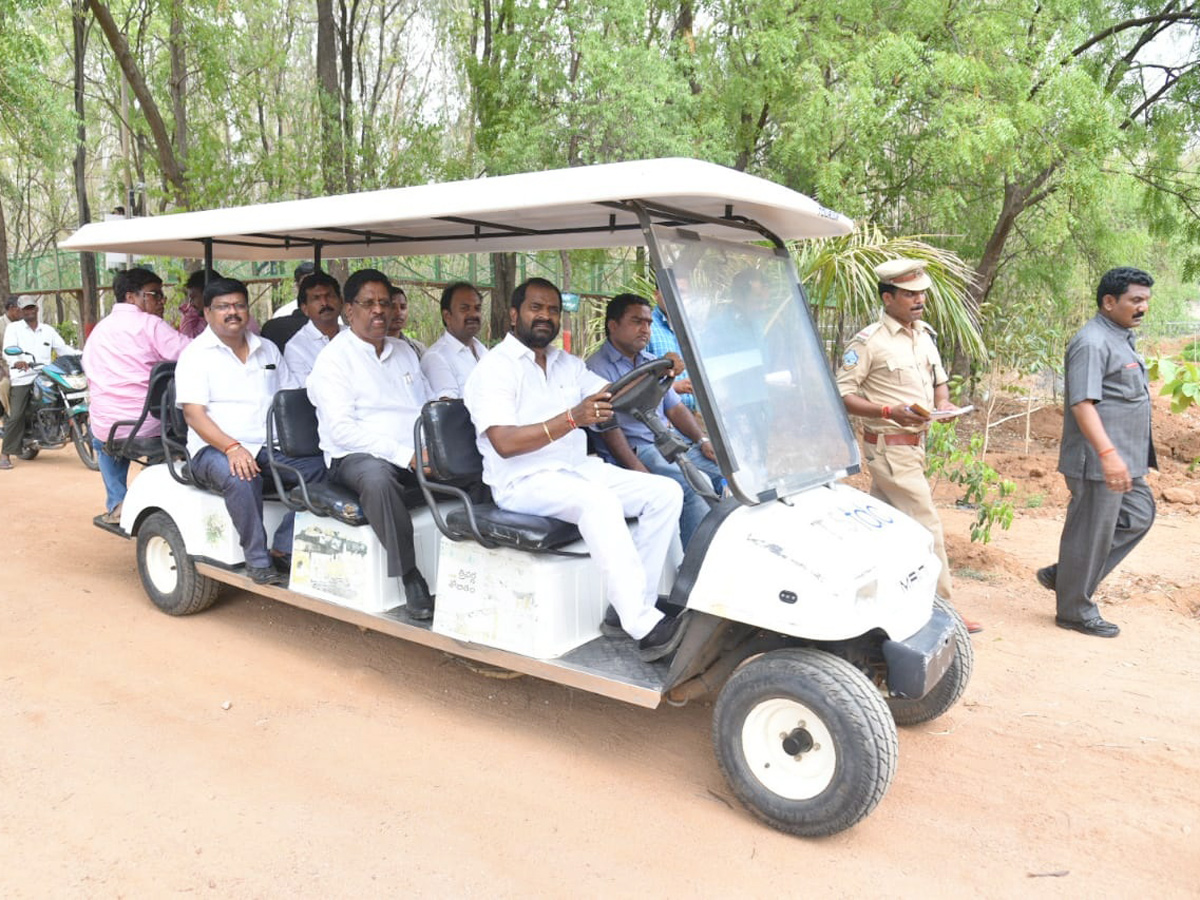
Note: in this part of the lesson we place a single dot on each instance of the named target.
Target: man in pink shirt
(118, 357)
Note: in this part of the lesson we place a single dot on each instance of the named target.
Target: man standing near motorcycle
(123, 348)
(36, 342)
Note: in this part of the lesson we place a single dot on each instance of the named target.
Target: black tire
(81, 434)
(947, 691)
(794, 710)
(28, 452)
(168, 575)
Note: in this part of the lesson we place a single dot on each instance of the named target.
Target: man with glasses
(225, 381)
(368, 391)
(124, 346)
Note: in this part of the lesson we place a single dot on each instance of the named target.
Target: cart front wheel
(805, 741)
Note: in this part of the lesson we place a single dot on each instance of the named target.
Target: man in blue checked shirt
(662, 342)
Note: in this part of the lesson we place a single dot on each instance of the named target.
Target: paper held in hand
(941, 414)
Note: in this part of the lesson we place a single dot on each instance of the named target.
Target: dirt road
(353, 765)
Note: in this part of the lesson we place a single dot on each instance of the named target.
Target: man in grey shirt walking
(1106, 451)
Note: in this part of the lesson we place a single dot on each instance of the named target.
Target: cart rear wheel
(805, 741)
(951, 686)
(168, 575)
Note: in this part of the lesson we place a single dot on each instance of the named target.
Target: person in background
(450, 358)
(38, 343)
(192, 307)
(321, 301)
(12, 313)
(662, 342)
(289, 318)
(1107, 449)
(399, 321)
(124, 346)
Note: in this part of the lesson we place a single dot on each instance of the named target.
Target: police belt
(904, 439)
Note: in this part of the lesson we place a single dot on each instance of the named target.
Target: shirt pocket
(902, 373)
(1127, 383)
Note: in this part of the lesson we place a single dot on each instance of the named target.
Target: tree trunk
(5, 284)
(327, 100)
(179, 84)
(87, 261)
(504, 282)
(171, 168)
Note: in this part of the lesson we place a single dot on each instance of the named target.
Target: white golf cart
(813, 613)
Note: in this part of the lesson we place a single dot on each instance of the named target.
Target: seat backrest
(161, 378)
(295, 423)
(450, 440)
(173, 423)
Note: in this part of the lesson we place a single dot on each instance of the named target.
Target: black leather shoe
(1096, 627)
(265, 575)
(662, 639)
(282, 563)
(611, 625)
(416, 593)
(1048, 577)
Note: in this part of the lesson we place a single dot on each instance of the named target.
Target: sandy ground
(349, 764)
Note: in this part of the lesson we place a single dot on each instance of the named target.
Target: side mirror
(13, 351)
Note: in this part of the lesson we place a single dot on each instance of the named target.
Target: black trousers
(14, 422)
(380, 489)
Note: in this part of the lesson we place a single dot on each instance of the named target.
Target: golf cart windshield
(756, 362)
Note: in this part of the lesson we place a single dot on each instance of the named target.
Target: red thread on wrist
(571, 419)
(231, 446)
(1108, 451)
(885, 412)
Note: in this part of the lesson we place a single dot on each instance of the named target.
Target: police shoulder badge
(850, 359)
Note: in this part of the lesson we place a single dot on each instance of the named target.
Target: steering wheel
(643, 387)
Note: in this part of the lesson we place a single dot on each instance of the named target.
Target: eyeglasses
(157, 295)
(222, 308)
(375, 304)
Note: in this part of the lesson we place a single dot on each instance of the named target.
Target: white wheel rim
(799, 777)
(160, 565)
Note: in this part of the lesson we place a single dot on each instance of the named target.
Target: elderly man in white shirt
(225, 381)
(528, 401)
(321, 301)
(368, 391)
(37, 343)
(450, 359)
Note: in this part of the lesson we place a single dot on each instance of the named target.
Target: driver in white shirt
(528, 401)
(368, 390)
(321, 301)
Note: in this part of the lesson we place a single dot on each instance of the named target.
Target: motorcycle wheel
(28, 452)
(81, 434)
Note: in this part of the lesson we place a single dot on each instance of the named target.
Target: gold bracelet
(549, 436)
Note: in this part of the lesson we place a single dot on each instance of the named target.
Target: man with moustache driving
(1106, 451)
(889, 368)
(225, 381)
(529, 401)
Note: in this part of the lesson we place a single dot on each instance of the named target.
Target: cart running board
(606, 666)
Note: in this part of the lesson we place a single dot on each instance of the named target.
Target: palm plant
(839, 276)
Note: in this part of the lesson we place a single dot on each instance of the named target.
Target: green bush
(986, 491)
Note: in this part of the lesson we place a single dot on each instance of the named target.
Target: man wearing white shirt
(451, 358)
(38, 343)
(321, 301)
(368, 391)
(528, 401)
(225, 381)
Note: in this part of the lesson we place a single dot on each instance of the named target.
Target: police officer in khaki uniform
(888, 368)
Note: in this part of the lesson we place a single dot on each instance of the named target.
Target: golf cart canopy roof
(585, 207)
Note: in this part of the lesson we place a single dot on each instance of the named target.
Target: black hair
(364, 276)
(518, 296)
(198, 278)
(219, 287)
(10, 302)
(1117, 281)
(316, 279)
(398, 289)
(305, 268)
(130, 281)
(450, 289)
(619, 304)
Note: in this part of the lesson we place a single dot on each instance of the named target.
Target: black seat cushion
(333, 500)
(524, 532)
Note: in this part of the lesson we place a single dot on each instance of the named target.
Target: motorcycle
(58, 409)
